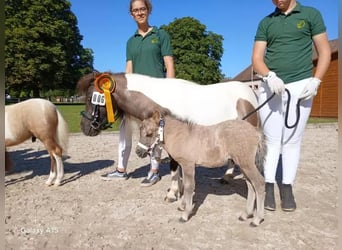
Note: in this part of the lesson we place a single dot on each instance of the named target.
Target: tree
(43, 46)
(197, 52)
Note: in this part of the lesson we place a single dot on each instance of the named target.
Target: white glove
(275, 84)
(310, 89)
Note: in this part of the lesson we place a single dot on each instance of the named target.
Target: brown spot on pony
(210, 146)
(38, 118)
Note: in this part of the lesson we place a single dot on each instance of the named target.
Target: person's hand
(275, 84)
(310, 89)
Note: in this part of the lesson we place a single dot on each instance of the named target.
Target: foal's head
(150, 132)
(94, 118)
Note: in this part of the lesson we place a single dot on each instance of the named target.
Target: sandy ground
(89, 213)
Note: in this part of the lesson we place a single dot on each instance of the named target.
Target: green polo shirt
(146, 53)
(289, 41)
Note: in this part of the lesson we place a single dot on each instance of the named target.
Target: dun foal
(212, 146)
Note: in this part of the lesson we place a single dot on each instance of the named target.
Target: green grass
(322, 120)
(71, 114)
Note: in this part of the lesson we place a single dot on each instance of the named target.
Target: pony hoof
(182, 220)
(252, 224)
(242, 218)
(256, 223)
(180, 209)
(170, 200)
(56, 184)
(48, 184)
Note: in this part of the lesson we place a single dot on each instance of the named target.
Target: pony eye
(149, 133)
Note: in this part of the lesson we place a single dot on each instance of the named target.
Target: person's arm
(169, 65)
(258, 55)
(129, 67)
(324, 54)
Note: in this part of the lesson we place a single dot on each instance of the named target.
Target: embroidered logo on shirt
(301, 24)
(154, 40)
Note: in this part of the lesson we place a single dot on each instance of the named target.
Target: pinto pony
(202, 104)
(38, 118)
(194, 145)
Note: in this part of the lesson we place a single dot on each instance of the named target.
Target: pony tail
(261, 152)
(62, 133)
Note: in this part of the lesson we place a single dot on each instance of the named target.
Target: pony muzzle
(142, 150)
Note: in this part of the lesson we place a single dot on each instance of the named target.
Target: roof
(248, 75)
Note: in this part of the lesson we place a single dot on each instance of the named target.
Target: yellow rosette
(105, 83)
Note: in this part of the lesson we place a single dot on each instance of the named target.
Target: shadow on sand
(29, 163)
(208, 181)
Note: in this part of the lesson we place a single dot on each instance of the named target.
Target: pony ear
(156, 116)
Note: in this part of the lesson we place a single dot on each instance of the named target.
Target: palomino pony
(194, 145)
(202, 104)
(38, 118)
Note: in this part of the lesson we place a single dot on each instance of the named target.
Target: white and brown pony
(38, 118)
(212, 146)
(202, 104)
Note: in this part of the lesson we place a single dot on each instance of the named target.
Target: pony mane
(188, 122)
(84, 82)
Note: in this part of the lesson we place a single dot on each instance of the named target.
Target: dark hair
(147, 4)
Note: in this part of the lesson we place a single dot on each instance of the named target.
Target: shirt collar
(154, 30)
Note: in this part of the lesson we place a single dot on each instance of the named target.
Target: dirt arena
(89, 213)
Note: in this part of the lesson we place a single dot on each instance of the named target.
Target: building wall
(325, 103)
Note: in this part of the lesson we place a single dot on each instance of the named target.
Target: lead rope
(287, 109)
(255, 110)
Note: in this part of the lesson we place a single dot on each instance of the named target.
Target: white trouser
(125, 146)
(279, 138)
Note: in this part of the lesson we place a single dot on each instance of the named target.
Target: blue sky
(106, 25)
